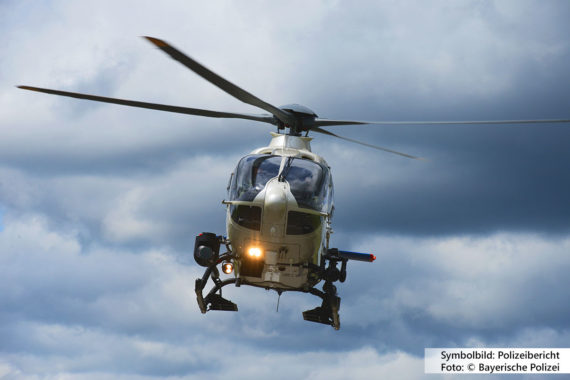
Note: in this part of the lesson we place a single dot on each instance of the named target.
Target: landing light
(227, 267)
(254, 252)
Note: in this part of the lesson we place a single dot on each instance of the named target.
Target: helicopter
(280, 202)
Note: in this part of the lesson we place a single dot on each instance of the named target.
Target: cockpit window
(306, 179)
(252, 173)
(247, 216)
(309, 181)
(300, 223)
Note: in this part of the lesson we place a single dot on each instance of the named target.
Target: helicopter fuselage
(278, 214)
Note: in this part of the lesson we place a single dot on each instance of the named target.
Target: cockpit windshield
(309, 181)
(251, 175)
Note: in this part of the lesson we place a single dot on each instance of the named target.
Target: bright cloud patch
(105, 312)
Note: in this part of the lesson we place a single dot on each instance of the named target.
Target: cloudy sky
(99, 204)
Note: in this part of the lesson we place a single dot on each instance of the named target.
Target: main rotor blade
(325, 132)
(220, 82)
(327, 122)
(155, 106)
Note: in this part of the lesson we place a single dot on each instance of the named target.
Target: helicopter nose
(275, 208)
(275, 201)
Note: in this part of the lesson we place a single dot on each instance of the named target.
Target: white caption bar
(497, 360)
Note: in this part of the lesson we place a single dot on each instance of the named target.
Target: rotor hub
(303, 119)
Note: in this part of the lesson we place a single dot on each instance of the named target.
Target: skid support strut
(214, 300)
(327, 313)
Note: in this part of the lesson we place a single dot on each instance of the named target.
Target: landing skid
(326, 314)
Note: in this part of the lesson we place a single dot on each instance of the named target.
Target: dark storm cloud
(478, 179)
(485, 180)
